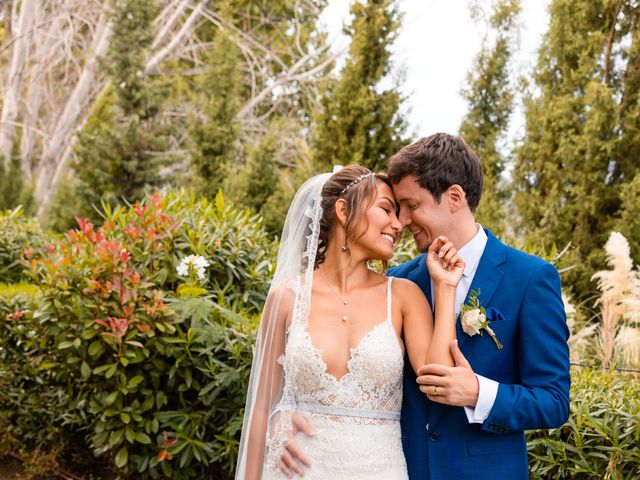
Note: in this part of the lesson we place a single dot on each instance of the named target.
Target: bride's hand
(444, 263)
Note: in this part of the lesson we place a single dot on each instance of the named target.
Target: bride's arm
(417, 321)
(427, 341)
(268, 386)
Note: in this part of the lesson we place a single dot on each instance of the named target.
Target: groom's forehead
(408, 187)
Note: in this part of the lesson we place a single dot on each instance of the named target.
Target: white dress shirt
(471, 253)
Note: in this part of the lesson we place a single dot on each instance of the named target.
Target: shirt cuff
(487, 391)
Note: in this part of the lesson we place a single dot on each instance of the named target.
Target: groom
(468, 421)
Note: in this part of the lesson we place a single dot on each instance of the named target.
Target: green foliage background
(74, 387)
(106, 354)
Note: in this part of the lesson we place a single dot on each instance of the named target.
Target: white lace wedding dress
(356, 418)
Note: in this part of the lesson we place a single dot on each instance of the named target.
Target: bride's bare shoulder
(284, 290)
(280, 299)
(407, 292)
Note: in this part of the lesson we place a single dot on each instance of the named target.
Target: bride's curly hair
(357, 185)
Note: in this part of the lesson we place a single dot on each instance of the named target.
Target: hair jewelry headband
(356, 181)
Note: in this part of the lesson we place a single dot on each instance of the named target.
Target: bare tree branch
(175, 10)
(290, 76)
(186, 29)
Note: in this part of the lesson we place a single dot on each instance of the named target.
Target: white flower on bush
(197, 263)
(473, 321)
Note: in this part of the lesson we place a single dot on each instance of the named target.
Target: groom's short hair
(439, 161)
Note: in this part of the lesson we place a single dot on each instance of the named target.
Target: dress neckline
(353, 351)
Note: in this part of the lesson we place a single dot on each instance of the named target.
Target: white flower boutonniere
(474, 318)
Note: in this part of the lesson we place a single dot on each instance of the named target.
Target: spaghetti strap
(390, 279)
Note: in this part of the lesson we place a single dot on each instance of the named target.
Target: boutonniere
(474, 318)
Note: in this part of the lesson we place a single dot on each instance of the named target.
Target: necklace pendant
(344, 318)
(344, 302)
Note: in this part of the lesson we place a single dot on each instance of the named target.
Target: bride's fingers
(447, 259)
(460, 262)
(444, 250)
(436, 244)
(456, 261)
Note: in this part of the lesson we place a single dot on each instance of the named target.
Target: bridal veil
(289, 295)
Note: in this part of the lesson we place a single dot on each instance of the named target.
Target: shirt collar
(472, 251)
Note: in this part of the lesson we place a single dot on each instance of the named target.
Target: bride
(333, 334)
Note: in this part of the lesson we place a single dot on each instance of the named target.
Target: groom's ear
(341, 211)
(456, 197)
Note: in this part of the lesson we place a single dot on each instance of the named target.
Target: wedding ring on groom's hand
(435, 391)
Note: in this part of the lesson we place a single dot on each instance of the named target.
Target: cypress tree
(628, 223)
(489, 94)
(214, 134)
(10, 184)
(582, 139)
(14, 191)
(358, 122)
(257, 184)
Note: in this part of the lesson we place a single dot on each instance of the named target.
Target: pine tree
(214, 135)
(120, 151)
(582, 140)
(628, 223)
(357, 122)
(490, 95)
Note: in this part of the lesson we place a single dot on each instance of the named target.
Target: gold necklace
(344, 301)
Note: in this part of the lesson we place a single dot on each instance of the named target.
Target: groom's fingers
(297, 455)
(431, 380)
(430, 391)
(434, 369)
(283, 468)
(300, 424)
(289, 463)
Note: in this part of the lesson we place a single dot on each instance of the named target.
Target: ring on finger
(435, 390)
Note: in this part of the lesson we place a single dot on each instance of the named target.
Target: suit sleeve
(541, 398)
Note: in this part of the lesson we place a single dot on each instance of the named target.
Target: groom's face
(420, 212)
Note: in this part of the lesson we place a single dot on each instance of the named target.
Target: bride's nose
(396, 225)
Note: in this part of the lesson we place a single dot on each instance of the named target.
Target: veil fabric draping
(289, 295)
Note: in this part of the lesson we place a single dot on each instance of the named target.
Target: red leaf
(102, 322)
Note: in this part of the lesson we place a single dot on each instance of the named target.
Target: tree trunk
(33, 93)
(20, 53)
(52, 159)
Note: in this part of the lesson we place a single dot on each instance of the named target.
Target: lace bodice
(370, 391)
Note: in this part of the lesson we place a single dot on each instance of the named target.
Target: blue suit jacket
(532, 369)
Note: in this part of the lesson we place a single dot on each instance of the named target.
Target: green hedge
(113, 362)
(152, 381)
(17, 233)
(601, 437)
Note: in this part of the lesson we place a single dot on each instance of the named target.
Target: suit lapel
(486, 279)
(420, 276)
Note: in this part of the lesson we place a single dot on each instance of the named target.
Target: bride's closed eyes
(387, 205)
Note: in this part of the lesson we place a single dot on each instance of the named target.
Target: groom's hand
(292, 457)
(450, 385)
